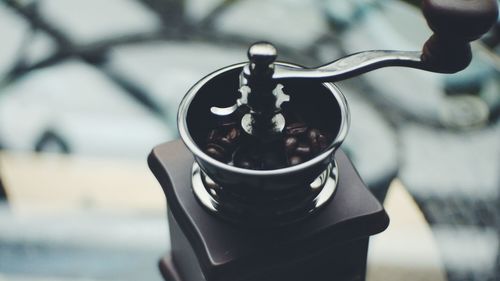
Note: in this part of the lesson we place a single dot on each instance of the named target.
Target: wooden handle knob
(467, 19)
(455, 23)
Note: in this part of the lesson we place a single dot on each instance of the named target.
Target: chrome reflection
(283, 211)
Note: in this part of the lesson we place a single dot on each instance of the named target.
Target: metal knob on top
(262, 56)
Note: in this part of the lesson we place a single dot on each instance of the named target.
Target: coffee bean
(290, 144)
(213, 135)
(215, 151)
(323, 142)
(217, 146)
(303, 150)
(295, 160)
(299, 143)
(233, 134)
(295, 129)
(312, 137)
(224, 142)
(245, 164)
(313, 134)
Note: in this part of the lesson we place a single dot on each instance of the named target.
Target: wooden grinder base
(331, 244)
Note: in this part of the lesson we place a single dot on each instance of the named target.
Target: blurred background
(88, 87)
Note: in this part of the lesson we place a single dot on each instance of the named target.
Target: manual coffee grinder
(259, 190)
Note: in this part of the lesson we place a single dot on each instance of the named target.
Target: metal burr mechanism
(261, 95)
(266, 88)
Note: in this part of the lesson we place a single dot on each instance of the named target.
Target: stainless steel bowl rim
(189, 142)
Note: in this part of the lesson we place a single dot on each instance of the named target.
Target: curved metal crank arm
(455, 23)
(353, 65)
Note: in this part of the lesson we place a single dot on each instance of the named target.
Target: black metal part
(259, 78)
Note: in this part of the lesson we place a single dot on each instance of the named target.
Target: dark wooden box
(331, 244)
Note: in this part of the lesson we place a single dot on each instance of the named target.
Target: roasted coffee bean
(245, 164)
(225, 142)
(215, 151)
(312, 137)
(216, 146)
(291, 144)
(313, 134)
(296, 129)
(323, 142)
(213, 135)
(233, 134)
(303, 150)
(295, 160)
